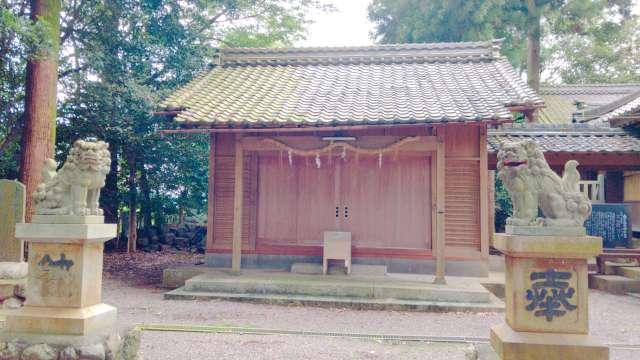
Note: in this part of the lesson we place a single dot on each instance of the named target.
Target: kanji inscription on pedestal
(550, 294)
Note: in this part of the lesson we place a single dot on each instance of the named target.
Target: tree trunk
(110, 195)
(146, 195)
(38, 139)
(132, 235)
(533, 45)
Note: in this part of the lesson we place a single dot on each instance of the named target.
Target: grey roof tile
(568, 138)
(387, 83)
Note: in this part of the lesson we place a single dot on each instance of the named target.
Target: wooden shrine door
(387, 205)
(384, 205)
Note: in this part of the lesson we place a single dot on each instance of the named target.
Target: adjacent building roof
(569, 138)
(561, 100)
(622, 112)
(409, 83)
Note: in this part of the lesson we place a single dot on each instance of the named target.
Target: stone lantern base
(546, 298)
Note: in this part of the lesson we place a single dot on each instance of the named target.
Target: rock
(130, 345)
(12, 303)
(91, 352)
(39, 352)
(69, 353)
(9, 351)
(181, 242)
(154, 239)
(169, 238)
(13, 270)
(143, 241)
(470, 352)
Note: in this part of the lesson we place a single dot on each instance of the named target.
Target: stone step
(336, 286)
(356, 269)
(615, 284)
(632, 272)
(495, 305)
(611, 267)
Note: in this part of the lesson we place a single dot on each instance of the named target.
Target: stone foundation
(473, 268)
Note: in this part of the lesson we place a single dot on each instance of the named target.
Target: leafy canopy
(582, 40)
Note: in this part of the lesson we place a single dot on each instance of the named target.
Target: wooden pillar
(484, 193)
(440, 207)
(491, 188)
(601, 180)
(211, 190)
(238, 191)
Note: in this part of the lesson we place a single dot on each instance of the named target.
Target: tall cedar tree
(38, 138)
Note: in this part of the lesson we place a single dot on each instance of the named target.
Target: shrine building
(387, 143)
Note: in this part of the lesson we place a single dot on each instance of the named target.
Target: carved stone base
(67, 219)
(60, 321)
(108, 345)
(514, 345)
(546, 230)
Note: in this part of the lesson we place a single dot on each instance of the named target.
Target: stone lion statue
(75, 188)
(533, 185)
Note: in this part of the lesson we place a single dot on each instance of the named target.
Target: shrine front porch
(404, 292)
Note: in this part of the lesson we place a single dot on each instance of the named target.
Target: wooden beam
(440, 207)
(238, 192)
(211, 190)
(329, 128)
(484, 194)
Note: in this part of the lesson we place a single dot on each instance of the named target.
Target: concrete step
(611, 267)
(336, 286)
(494, 305)
(356, 269)
(615, 284)
(632, 272)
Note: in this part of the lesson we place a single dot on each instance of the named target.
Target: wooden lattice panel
(462, 203)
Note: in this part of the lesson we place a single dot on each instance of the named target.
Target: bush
(503, 205)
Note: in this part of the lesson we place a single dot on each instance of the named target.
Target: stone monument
(64, 311)
(546, 290)
(13, 270)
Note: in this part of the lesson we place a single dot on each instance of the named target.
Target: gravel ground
(613, 319)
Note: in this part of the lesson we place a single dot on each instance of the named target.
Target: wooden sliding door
(384, 205)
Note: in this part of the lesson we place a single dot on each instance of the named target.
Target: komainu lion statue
(533, 185)
(75, 188)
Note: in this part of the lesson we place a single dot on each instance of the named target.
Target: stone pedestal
(13, 271)
(64, 286)
(546, 298)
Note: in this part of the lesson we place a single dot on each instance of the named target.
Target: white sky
(349, 26)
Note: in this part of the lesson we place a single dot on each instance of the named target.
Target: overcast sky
(349, 26)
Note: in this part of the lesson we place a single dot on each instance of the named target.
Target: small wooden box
(337, 246)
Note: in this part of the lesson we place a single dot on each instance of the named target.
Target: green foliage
(503, 205)
(582, 40)
(119, 59)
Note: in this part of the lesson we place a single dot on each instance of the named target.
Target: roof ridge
(390, 53)
(588, 89)
(376, 47)
(606, 108)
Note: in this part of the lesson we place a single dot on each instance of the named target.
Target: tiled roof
(416, 83)
(560, 100)
(620, 112)
(570, 138)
